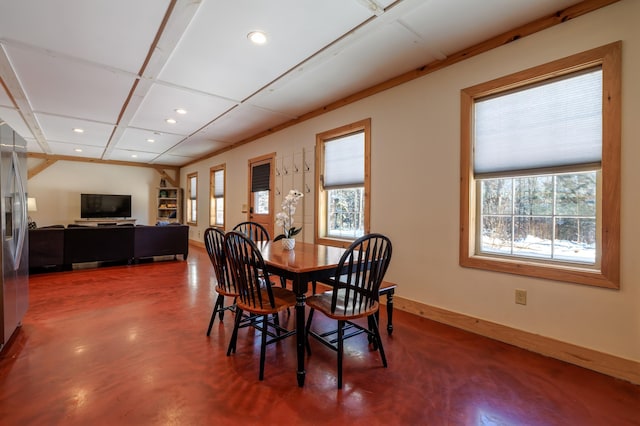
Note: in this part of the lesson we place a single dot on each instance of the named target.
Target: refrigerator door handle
(22, 194)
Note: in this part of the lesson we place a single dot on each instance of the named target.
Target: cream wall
(415, 190)
(57, 189)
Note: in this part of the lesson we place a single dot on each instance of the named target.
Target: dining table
(305, 263)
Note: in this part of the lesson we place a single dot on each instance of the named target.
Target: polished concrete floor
(126, 345)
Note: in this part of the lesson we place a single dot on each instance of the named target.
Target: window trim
(188, 198)
(608, 275)
(212, 202)
(320, 211)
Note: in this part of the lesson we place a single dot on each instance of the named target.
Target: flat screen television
(94, 206)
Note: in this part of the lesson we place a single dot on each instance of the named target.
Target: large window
(540, 176)
(192, 199)
(216, 195)
(342, 176)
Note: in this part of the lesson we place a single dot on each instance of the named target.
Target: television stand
(106, 221)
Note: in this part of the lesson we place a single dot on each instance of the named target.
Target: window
(192, 201)
(342, 179)
(216, 194)
(540, 171)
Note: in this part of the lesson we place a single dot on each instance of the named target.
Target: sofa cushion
(161, 241)
(46, 247)
(98, 243)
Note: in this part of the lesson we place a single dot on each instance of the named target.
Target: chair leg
(378, 339)
(340, 349)
(263, 347)
(276, 322)
(390, 312)
(306, 331)
(234, 335)
(217, 307)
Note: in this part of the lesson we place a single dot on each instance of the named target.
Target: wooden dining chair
(255, 231)
(256, 295)
(225, 287)
(354, 295)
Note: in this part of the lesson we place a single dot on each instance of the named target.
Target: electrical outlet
(521, 297)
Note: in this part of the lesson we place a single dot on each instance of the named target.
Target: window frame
(321, 236)
(608, 219)
(192, 201)
(212, 199)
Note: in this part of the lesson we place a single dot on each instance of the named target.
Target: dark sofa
(46, 246)
(152, 241)
(61, 247)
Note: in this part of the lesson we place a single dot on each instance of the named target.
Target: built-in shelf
(169, 205)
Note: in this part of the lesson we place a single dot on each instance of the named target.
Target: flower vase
(288, 243)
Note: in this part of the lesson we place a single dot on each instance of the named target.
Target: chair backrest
(214, 243)
(247, 270)
(255, 231)
(360, 272)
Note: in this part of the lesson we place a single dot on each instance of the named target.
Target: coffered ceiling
(118, 69)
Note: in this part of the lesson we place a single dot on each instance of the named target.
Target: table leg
(300, 337)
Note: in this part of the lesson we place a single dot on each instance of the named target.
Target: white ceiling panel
(132, 156)
(13, 118)
(216, 56)
(61, 148)
(312, 87)
(4, 98)
(70, 88)
(195, 146)
(432, 21)
(172, 160)
(162, 101)
(147, 141)
(117, 33)
(33, 146)
(60, 129)
(243, 122)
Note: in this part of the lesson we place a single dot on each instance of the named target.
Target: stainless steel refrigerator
(14, 285)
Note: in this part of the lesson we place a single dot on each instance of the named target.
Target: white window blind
(344, 161)
(218, 183)
(193, 190)
(551, 124)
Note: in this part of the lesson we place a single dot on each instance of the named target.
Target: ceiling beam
(172, 182)
(174, 24)
(40, 167)
(99, 161)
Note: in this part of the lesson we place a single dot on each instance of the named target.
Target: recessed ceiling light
(181, 111)
(170, 121)
(134, 156)
(78, 130)
(77, 150)
(257, 37)
(151, 140)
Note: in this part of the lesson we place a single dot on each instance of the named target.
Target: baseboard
(197, 243)
(588, 358)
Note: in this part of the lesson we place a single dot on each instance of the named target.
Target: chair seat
(282, 298)
(322, 302)
(224, 292)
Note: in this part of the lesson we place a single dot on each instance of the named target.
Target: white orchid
(285, 217)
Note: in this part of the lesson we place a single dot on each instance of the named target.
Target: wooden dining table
(307, 262)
